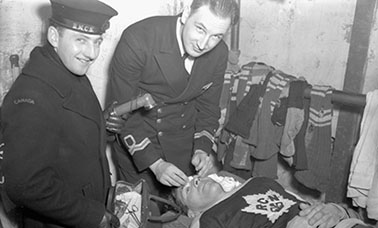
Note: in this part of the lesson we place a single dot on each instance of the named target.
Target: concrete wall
(308, 38)
(303, 38)
(371, 78)
(21, 28)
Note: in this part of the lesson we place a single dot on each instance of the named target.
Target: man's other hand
(114, 124)
(322, 215)
(203, 163)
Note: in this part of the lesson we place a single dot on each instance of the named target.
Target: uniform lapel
(199, 70)
(83, 101)
(76, 91)
(172, 70)
(197, 79)
(169, 61)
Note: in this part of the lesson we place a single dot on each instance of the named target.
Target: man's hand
(322, 215)
(114, 123)
(168, 174)
(109, 221)
(299, 222)
(203, 163)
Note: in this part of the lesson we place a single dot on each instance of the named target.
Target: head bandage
(227, 183)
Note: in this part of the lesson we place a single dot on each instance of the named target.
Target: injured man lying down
(224, 201)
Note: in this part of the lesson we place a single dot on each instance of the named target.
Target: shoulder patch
(271, 204)
(23, 100)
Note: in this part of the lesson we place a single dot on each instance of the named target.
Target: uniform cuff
(204, 144)
(144, 158)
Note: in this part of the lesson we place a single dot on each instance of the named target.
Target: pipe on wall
(235, 30)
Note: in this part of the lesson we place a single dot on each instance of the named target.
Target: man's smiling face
(78, 50)
(203, 30)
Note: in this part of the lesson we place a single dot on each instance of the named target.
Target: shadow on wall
(44, 13)
(278, 1)
(176, 7)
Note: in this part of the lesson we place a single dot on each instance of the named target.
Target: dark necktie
(184, 57)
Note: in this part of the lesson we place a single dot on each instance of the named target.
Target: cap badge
(83, 27)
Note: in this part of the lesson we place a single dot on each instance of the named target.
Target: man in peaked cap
(88, 16)
(54, 161)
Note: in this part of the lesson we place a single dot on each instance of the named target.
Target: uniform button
(159, 110)
(160, 133)
(183, 126)
(158, 121)
(185, 103)
(182, 115)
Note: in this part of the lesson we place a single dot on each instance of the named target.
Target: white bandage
(227, 183)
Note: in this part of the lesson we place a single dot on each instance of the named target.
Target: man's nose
(196, 181)
(91, 51)
(202, 43)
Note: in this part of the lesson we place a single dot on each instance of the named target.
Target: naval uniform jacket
(55, 165)
(148, 60)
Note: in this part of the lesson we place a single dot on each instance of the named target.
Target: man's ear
(53, 36)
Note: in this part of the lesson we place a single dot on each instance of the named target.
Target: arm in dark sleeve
(125, 72)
